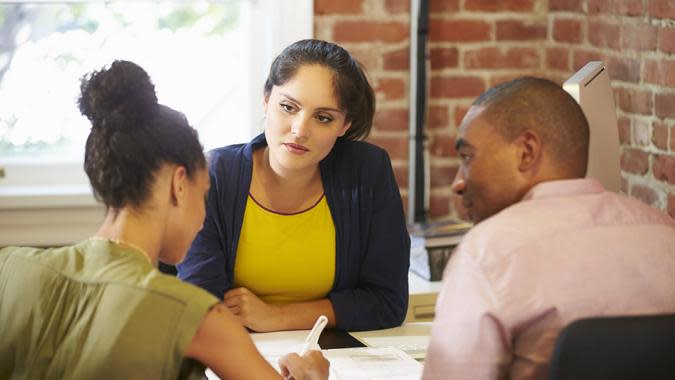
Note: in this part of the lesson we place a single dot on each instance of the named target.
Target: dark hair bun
(119, 97)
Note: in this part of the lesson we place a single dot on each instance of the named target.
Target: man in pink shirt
(549, 245)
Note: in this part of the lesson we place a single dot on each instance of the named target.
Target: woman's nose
(300, 127)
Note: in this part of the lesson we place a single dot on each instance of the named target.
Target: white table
(412, 338)
(421, 299)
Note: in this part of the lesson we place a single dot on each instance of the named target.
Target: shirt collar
(558, 188)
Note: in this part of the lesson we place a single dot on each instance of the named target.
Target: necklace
(123, 242)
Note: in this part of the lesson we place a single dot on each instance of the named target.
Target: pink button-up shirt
(569, 250)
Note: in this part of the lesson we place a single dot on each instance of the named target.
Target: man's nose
(458, 184)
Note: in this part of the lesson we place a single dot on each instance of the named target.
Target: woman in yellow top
(306, 219)
(100, 308)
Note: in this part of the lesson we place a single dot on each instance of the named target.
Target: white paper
(359, 363)
(368, 363)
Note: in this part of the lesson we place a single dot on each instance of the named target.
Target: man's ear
(178, 185)
(529, 151)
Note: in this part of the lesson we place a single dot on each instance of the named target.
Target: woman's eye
(324, 119)
(286, 107)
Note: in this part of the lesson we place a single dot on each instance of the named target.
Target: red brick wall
(475, 44)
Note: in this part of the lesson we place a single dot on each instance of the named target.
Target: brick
(634, 161)
(456, 87)
(636, 101)
(397, 60)
(565, 5)
(629, 7)
(437, 117)
(391, 88)
(660, 135)
(391, 119)
(559, 79)
(671, 205)
(662, 9)
(581, 57)
(567, 30)
(442, 6)
(442, 146)
(397, 147)
(442, 175)
(599, 7)
(660, 72)
(603, 34)
(497, 79)
(442, 58)
(394, 6)
(329, 7)
(672, 139)
(558, 59)
(401, 174)
(624, 130)
(499, 6)
(664, 168)
(370, 31)
(616, 7)
(439, 205)
(667, 40)
(645, 194)
(459, 30)
(497, 58)
(460, 112)
(639, 37)
(664, 105)
(514, 30)
(624, 69)
(366, 56)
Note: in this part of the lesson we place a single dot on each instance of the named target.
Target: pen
(312, 339)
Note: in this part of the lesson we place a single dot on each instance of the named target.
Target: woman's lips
(296, 148)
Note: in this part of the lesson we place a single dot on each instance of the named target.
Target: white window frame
(51, 203)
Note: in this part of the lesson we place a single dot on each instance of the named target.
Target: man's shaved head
(543, 106)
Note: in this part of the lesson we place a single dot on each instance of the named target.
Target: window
(208, 59)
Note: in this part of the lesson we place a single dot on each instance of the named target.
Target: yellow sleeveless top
(286, 258)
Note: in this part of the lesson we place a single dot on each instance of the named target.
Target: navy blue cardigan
(372, 244)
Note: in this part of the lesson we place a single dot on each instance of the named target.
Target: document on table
(411, 338)
(367, 363)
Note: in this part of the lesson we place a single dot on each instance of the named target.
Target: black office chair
(616, 348)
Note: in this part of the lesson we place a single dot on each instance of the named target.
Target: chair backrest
(638, 347)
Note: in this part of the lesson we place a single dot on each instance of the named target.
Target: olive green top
(95, 310)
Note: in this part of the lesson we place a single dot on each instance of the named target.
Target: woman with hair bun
(100, 308)
(306, 219)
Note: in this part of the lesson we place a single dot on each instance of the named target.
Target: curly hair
(132, 135)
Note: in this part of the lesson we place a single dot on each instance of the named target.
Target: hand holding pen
(309, 364)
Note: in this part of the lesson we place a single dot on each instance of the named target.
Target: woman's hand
(252, 311)
(311, 366)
